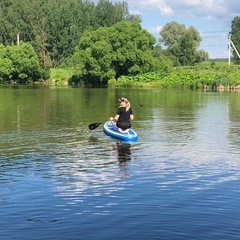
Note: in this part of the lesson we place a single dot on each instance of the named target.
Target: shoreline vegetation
(209, 75)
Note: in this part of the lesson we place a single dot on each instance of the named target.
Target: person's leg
(123, 127)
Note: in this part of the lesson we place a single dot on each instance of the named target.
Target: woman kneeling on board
(124, 115)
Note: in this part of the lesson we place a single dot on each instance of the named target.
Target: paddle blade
(93, 126)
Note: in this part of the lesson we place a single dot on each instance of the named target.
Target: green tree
(107, 14)
(11, 22)
(235, 32)
(28, 20)
(54, 27)
(66, 21)
(20, 63)
(6, 65)
(110, 52)
(181, 42)
(202, 56)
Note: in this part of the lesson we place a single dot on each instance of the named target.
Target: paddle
(93, 126)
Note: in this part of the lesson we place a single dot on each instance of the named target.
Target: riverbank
(202, 76)
(207, 76)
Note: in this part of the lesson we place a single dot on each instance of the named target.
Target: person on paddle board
(124, 115)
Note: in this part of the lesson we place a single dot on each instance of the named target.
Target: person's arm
(131, 114)
(114, 118)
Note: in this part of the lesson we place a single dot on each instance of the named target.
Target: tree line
(101, 41)
(54, 27)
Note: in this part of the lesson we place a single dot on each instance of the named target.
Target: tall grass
(60, 76)
(207, 74)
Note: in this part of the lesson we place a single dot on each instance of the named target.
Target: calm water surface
(58, 180)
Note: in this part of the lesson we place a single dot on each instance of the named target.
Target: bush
(20, 64)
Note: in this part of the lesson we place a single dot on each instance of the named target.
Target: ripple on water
(173, 182)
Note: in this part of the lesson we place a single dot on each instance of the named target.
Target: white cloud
(165, 10)
(211, 9)
(221, 10)
(135, 12)
(155, 30)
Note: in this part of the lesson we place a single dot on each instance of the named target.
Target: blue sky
(211, 18)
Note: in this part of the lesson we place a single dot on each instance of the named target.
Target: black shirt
(124, 116)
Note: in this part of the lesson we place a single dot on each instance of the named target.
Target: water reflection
(124, 152)
(124, 155)
(89, 166)
(186, 159)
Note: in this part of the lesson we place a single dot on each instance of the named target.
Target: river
(59, 180)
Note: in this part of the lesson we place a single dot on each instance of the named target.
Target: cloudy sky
(212, 19)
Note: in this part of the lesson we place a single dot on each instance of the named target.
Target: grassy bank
(206, 75)
(60, 76)
(210, 75)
